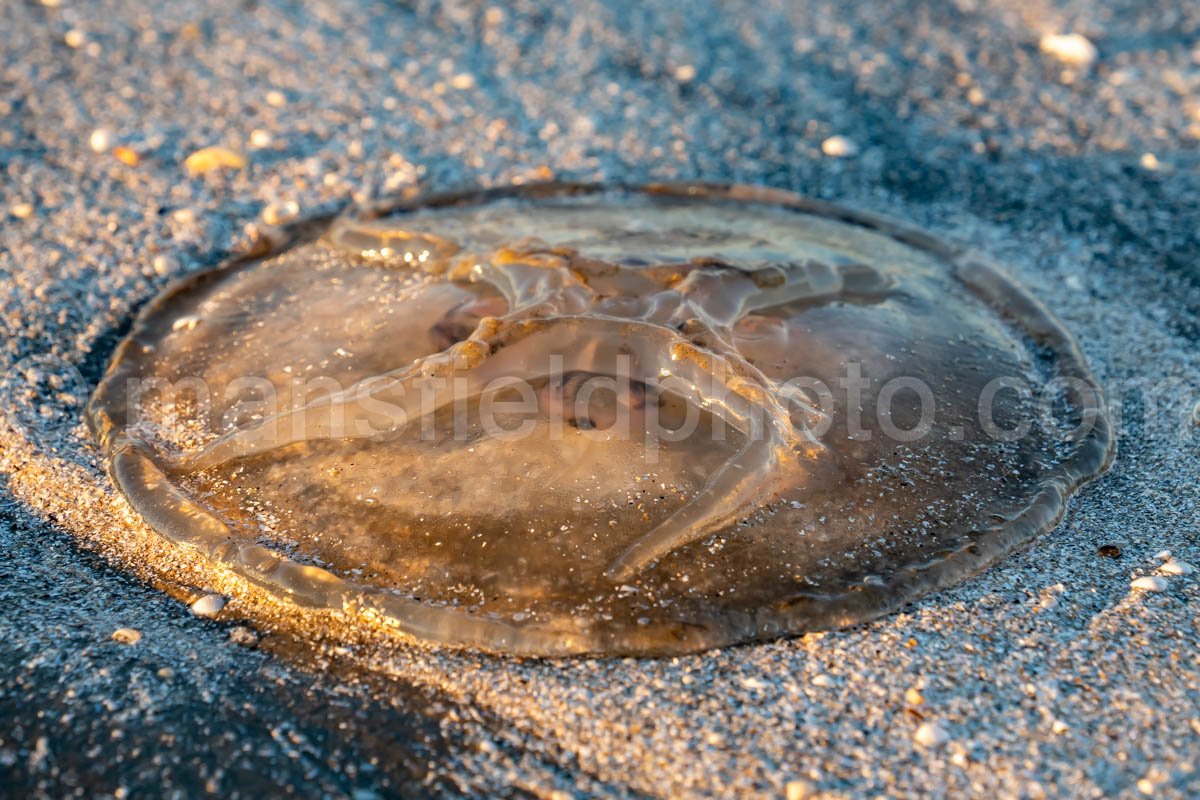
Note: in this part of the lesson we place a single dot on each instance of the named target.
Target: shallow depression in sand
(570, 419)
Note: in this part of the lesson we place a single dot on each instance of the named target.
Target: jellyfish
(571, 419)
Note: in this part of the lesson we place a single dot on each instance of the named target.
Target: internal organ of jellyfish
(604, 421)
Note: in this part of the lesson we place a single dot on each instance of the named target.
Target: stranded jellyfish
(573, 419)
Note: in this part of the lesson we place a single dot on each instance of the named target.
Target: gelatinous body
(567, 419)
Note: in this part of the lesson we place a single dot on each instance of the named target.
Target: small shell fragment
(127, 156)
(244, 636)
(185, 324)
(931, 734)
(839, 147)
(209, 605)
(800, 790)
(1071, 49)
(260, 138)
(279, 213)
(127, 635)
(1149, 583)
(101, 140)
(212, 158)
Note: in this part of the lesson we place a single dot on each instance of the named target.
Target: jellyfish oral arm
(761, 469)
(771, 459)
(678, 333)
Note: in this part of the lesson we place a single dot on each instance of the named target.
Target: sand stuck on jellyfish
(575, 419)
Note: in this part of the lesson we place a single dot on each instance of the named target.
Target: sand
(1045, 675)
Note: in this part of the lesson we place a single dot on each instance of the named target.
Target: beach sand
(1046, 675)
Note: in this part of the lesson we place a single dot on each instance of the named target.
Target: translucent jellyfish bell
(572, 419)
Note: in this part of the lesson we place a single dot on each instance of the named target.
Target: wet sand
(1045, 675)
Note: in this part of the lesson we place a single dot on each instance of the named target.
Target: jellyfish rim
(137, 470)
